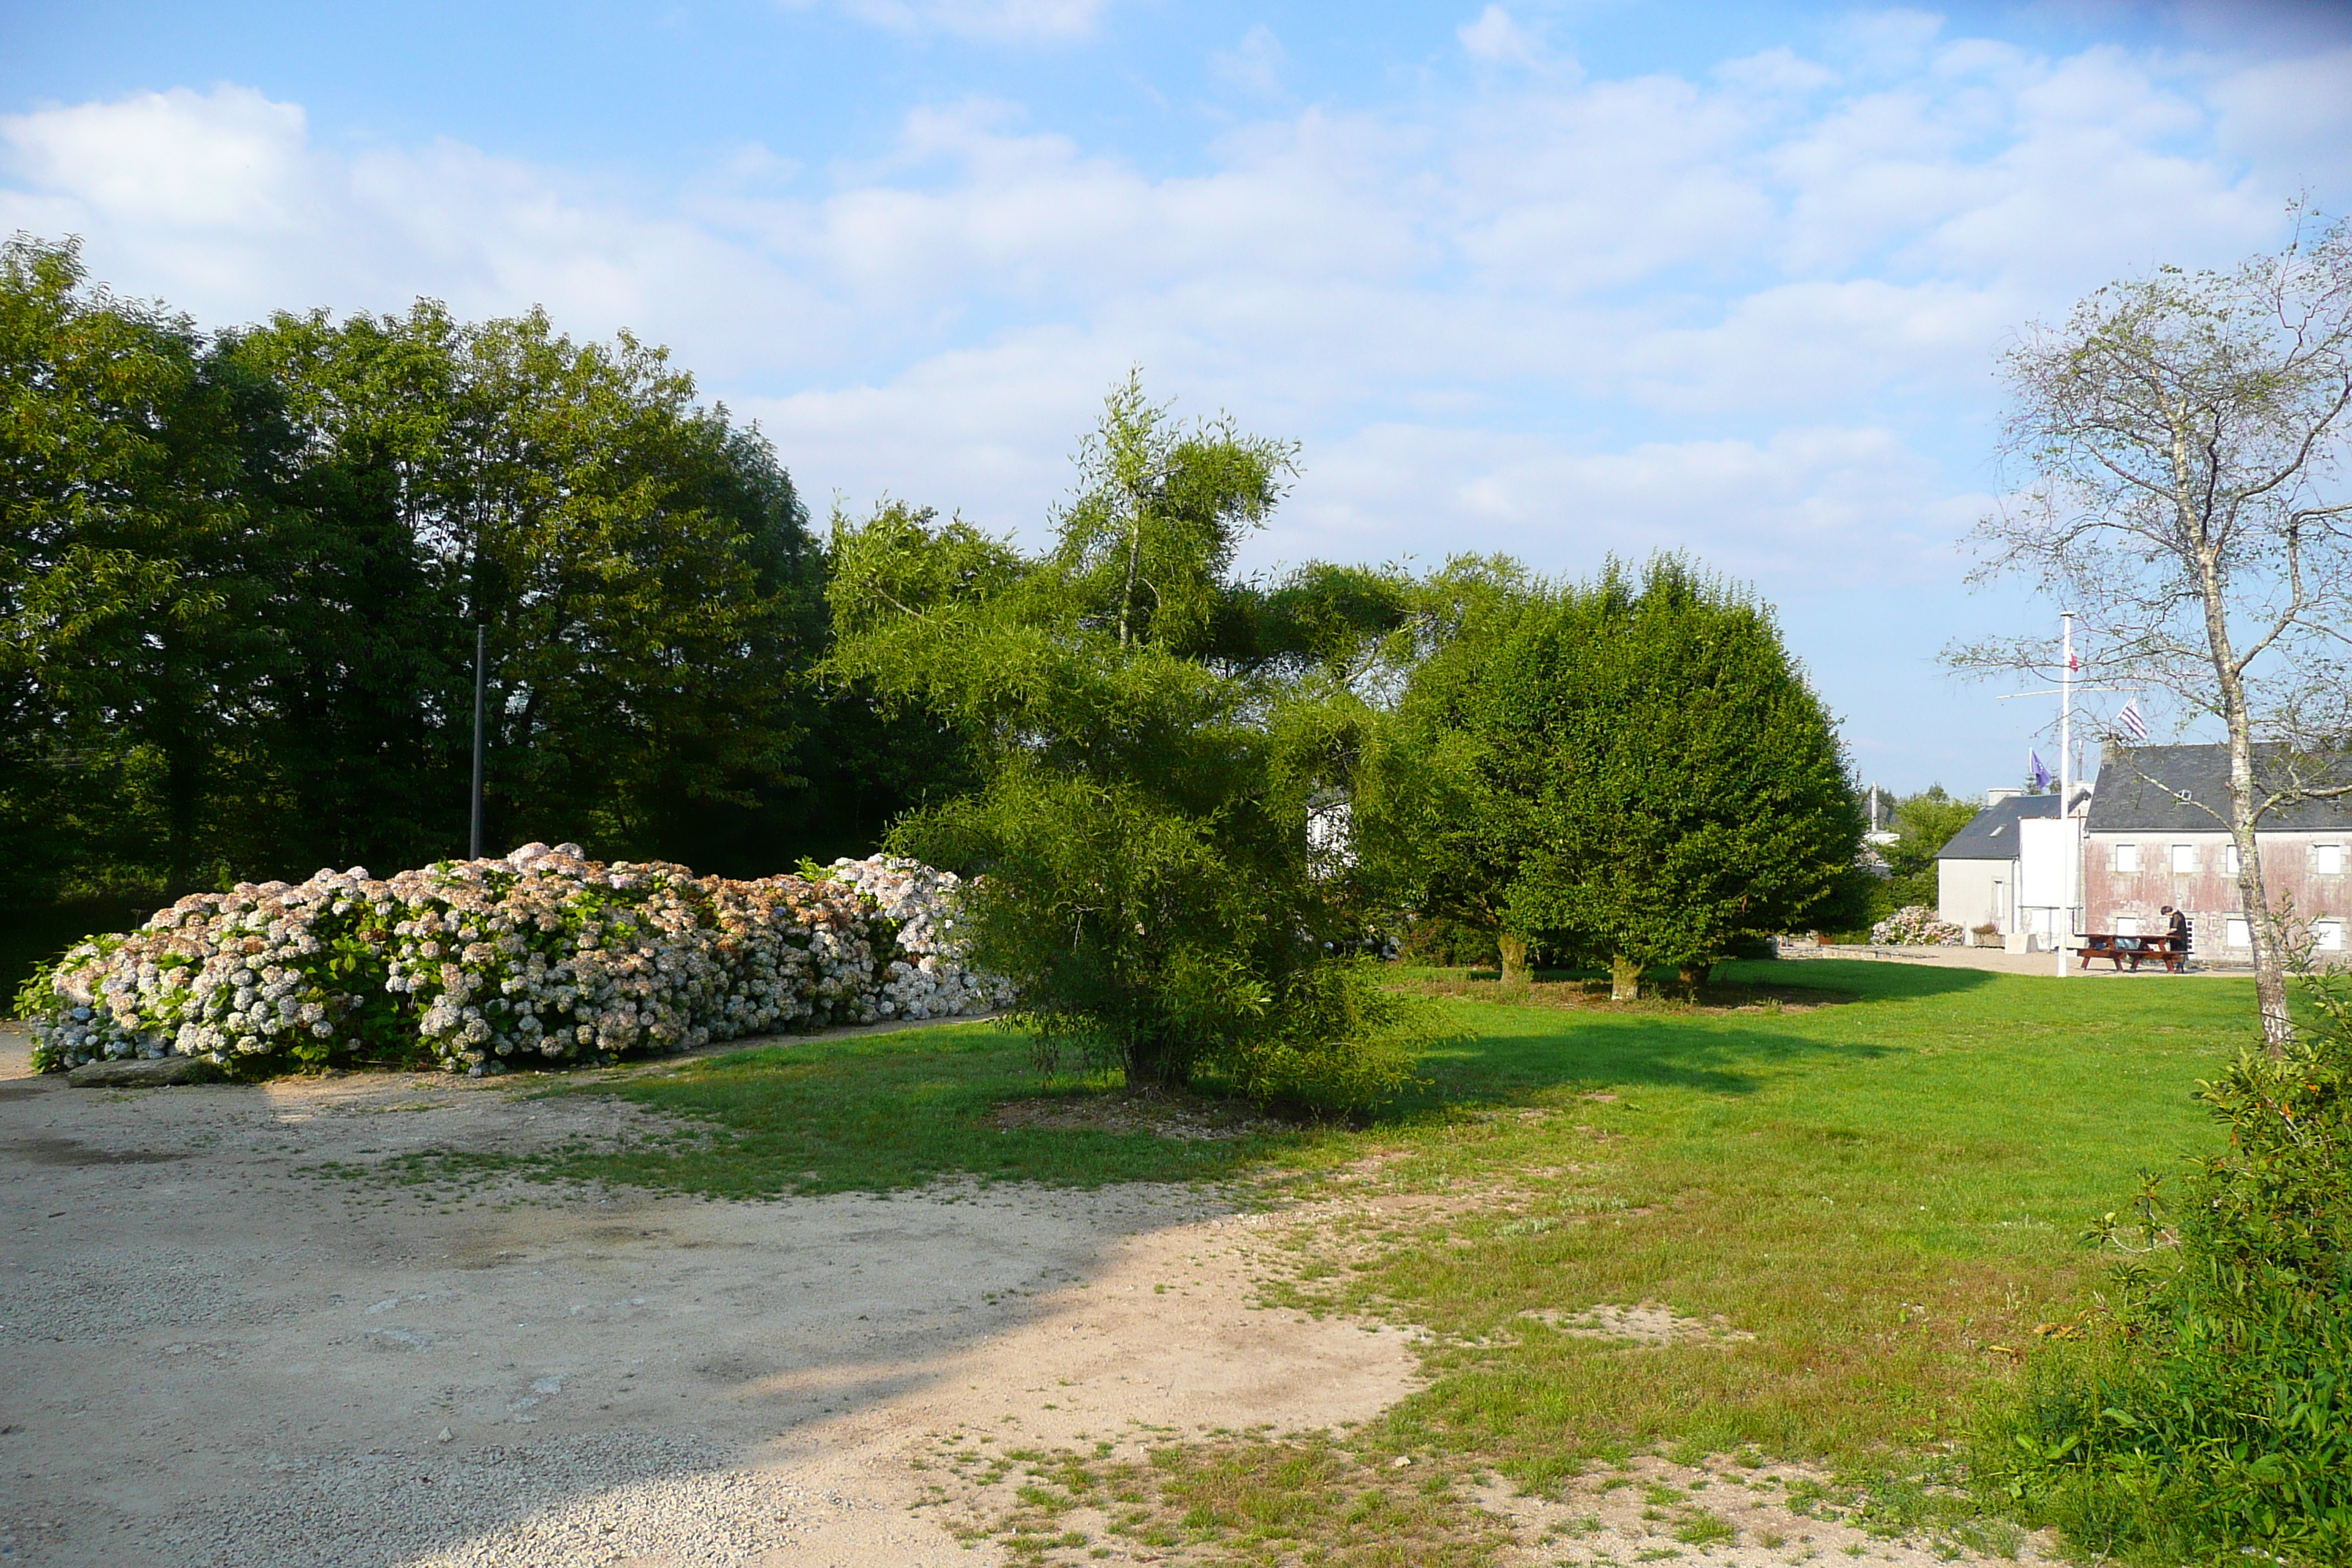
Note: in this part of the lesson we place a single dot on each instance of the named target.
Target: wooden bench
(2117, 948)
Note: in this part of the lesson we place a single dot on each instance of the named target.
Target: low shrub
(2208, 1415)
(543, 957)
(1335, 1039)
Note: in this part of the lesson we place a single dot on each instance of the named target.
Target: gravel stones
(594, 1499)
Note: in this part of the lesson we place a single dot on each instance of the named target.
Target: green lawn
(1882, 1192)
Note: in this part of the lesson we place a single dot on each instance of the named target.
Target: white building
(2007, 867)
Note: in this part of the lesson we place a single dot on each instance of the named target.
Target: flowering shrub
(1915, 925)
(928, 978)
(542, 957)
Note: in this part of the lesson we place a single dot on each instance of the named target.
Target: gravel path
(215, 1355)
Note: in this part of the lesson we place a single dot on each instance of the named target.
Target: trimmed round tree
(1673, 785)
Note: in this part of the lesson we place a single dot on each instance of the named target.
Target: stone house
(2154, 836)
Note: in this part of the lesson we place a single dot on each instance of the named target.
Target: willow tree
(2181, 440)
(1152, 733)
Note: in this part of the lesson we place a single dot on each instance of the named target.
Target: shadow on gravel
(218, 1355)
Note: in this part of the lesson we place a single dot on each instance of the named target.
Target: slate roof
(1992, 834)
(2142, 790)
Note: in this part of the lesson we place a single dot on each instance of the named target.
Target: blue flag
(2041, 774)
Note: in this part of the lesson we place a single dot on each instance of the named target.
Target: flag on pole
(2041, 774)
(2132, 721)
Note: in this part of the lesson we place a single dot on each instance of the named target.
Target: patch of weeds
(1703, 1527)
(1255, 1500)
(1808, 1498)
(1989, 1537)
(883, 1112)
(1540, 1475)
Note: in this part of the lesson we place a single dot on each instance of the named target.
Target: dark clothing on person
(2178, 930)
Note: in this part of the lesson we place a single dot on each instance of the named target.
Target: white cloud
(984, 21)
(1777, 510)
(1254, 64)
(2294, 116)
(1497, 38)
(1740, 313)
(218, 203)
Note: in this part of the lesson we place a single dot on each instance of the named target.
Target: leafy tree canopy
(1630, 770)
(241, 574)
(1154, 733)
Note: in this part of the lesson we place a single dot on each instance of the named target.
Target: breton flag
(2131, 722)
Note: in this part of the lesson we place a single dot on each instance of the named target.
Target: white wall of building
(1970, 892)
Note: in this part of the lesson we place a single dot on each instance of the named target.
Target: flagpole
(2066, 784)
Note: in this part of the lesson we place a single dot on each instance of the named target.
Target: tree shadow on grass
(894, 1112)
(1514, 1052)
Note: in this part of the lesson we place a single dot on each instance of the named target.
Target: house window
(2233, 932)
(2327, 860)
(2184, 859)
(2127, 925)
(2228, 860)
(2327, 936)
(2127, 859)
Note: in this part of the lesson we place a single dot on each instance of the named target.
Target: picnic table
(2118, 949)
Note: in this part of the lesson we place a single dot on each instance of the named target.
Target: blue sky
(1554, 279)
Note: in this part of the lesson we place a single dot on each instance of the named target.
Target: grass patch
(873, 1113)
(1259, 1500)
(1850, 1216)
(1884, 1195)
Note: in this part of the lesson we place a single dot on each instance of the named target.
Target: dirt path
(211, 1356)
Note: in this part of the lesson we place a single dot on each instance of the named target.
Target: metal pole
(2066, 784)
(481, 685)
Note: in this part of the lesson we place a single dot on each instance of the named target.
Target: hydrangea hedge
(1916, 925)
(543, 958)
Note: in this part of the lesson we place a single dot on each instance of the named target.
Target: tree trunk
(1134, 562)
(2263, 926)
(2265, 930)
(1624, 979)
(1515, 960)
(1693, 974)
(183, 793)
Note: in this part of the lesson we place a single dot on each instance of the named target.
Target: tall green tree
(1152, 736)
(641, 567)
(241, 574)
(139, 534)
(1660, 779)
(1444, 809)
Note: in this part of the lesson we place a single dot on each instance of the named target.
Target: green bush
(2210, 1414)
(1335, 1039)
(1167, 758)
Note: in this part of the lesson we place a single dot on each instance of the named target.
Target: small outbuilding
(1991, 871)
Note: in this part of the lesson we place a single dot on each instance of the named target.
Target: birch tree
(2181, 439)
